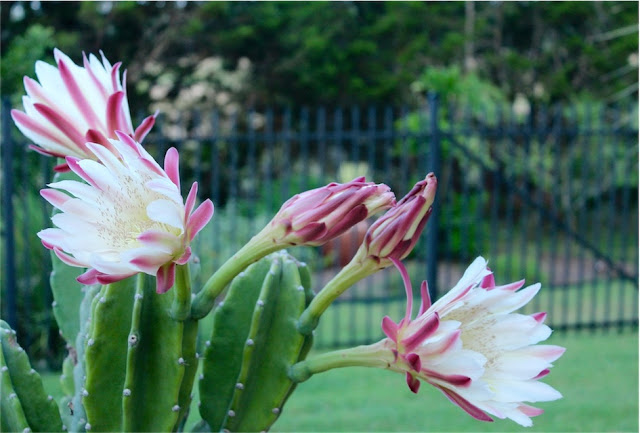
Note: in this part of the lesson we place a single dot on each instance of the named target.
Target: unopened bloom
(129, 217)
(395, 233)
(471, 346)
(315, 217)
(73, 105)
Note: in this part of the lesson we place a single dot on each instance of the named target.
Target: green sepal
(39, 409)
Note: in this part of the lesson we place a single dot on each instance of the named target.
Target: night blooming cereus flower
(73, 105)
(315, 217)
(129, 217)
(472, 347)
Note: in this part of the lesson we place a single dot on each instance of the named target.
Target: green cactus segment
(190, 357)
(67, 384)
(79, 417)
(155, 366)
(273, 345)
(106, 355)
(39, 410)
(222, 356)
(13, 419)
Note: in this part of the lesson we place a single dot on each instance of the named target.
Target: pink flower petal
(165, 278)
(199, 218)
(171, 164)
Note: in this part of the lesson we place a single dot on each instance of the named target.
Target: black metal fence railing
(550, 195)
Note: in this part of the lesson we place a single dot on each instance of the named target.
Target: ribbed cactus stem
(347, 277)
(375, 355)
(259, 246)
(182, 293)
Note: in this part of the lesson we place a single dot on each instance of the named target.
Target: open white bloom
(129, 217)
(72, 105)
(471, 346)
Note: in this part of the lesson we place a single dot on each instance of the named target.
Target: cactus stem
(182, 297)
(349, 275)
(259, 246)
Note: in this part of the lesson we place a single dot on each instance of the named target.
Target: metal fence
(548, 195)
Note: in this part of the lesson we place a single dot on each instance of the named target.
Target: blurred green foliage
(341, 53)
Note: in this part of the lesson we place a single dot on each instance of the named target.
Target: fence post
(9, 265)
(433, 165)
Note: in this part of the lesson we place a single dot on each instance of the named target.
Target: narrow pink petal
(143, 129)
(512, 287)
(539, 317)
(458, 380)
(89, 277)
(115, 76)
(414, 361)
(94, 136)
(108, 279)
(413, 382)
(191, 200)
(390, 328)
(184, 258)
(171, 166)
(62, 124)
(46, 152)
(61, 168)
(94, 79)
(26, 122)
(488, 282)
(542, 374)
(422, 333)
(199, 218)
(165, 278)
(472, 410)
(72, 162)
(312, 232)
(76, 95)
(55, 197)
(114, 105)
(530, 410)
(407, 286)
(67, 259)
(426, 298)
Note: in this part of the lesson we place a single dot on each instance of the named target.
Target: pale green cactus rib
(79, 417)
(106, 355)
(155, 366)
(13, 419)
(222, 356)
(67, 384)
(274, 344)
(128, 404)
(190, 356)
(40, 411)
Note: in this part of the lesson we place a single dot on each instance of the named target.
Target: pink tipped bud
(315, 217)
(395, 233)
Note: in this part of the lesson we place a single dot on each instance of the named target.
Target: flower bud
(395, 233)
(315, 217)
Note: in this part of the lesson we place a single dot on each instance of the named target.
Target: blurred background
(526, 111)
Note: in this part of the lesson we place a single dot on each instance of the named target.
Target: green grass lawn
(598, 376)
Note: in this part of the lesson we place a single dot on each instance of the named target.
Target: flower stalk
(182, 297)
(375, 355)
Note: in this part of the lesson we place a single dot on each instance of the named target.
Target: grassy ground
(598, 376)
